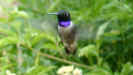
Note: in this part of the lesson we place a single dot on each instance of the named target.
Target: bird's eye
(65, 14)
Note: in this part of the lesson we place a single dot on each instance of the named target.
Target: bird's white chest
(65, 30)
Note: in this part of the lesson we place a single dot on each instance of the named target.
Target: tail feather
(70, 50)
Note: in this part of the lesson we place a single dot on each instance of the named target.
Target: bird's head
(63, 17)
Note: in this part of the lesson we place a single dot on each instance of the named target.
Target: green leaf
(39, 70)
(88, 51)
(127, 69)
(8, 41)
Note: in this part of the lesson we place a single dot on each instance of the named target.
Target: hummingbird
(67, 31)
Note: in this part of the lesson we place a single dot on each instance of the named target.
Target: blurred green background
(28, 35)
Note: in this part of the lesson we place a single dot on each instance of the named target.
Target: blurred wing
(85, 32)
(45, 23)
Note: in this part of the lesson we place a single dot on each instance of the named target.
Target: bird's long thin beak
(52, 13)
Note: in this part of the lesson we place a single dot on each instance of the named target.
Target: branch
(61, 59)
(19, 56)
(65, 61)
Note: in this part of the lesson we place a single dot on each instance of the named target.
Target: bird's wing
(45, 24)
(85, 32)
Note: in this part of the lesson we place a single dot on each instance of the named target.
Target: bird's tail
(71, 49)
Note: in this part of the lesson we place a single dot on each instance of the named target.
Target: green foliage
(26, 31)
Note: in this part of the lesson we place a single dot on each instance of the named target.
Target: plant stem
(65, 61)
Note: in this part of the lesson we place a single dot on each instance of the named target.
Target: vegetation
(30, 45)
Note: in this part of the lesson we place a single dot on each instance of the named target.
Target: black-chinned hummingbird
(66, 30)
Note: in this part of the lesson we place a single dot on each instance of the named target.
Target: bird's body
(68, 37)
(67, 31)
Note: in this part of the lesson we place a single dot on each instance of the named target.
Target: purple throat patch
(64, 23)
